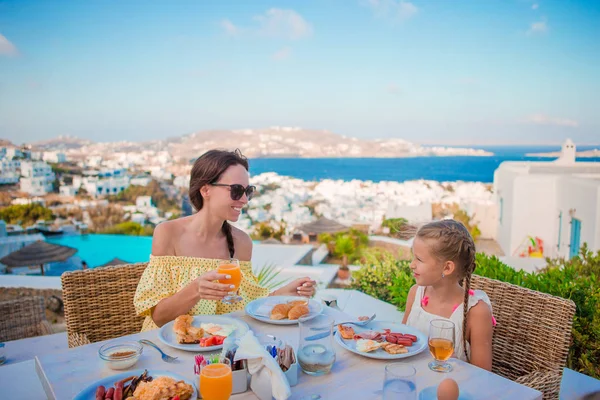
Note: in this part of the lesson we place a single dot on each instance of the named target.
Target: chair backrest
(22, 318)
(533, 330)
(99, 303)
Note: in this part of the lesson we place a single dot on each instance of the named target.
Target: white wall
(579, 198)
(486, 218)
(503, 187)
(535, 211)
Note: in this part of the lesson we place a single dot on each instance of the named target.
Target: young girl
(181, 277)
(443, 262)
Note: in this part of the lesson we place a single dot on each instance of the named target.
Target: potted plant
(344, 248)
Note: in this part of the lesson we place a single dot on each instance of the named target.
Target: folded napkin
(264, 310)
(268, 380)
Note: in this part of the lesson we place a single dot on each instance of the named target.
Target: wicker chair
(23, 318)
(532, 336)
(99, 303)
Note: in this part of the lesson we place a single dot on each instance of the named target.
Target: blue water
(459, 168)
(99, 249)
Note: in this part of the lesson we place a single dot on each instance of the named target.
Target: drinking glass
(399, 382)
(316, 353)
(441, 344)
(232, 268)
(216, 382)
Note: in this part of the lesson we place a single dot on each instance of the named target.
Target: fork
(164, 356)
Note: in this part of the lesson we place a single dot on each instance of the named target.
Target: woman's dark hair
(208, 169)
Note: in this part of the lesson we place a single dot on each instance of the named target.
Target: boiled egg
(448, 390)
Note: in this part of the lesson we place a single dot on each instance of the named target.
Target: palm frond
(267, 277)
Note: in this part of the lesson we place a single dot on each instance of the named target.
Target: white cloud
(230, 27)
(7, 48)
(282, 54)
(535, 6)
(398, 10)
(281, 23)
(542, 119)
(539, 28)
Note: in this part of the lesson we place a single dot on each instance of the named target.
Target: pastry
(185, 332)
(298, 311)
(295, 303)
(346, 332)
(280, 311)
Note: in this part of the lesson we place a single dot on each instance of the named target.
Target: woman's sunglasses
(237, 190)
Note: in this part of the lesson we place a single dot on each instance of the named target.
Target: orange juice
(216, 382)
(234, 271)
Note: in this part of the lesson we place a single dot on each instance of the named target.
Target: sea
(443, 169)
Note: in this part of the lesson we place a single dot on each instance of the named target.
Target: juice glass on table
(232, 268)
(216, 382)
(441, 344)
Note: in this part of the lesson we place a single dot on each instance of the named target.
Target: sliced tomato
(218, 340)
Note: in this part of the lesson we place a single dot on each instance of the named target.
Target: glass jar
(316, 353)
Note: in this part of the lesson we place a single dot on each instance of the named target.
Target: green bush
(25, 214)
(386, 278)
(130, 228)
(395, 224)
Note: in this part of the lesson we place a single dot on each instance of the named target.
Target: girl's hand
(210, 290)
(305, 287)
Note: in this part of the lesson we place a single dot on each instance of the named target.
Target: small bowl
(120, 355)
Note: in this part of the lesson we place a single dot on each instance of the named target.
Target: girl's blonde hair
(451, 241)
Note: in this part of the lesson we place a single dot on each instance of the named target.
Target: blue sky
(453, 72)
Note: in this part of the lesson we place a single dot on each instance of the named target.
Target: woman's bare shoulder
(166, 235)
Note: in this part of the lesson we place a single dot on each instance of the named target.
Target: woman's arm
(410, 299)
(479, 334)
(183, 301)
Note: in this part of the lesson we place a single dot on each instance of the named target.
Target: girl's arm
(410, 299)
(479, 334)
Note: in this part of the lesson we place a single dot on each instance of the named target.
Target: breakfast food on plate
(393, 343)
(163, 388)
(185, 332)
(346, 332)
(292, 310)
(298, 311)
(391, 348)
(145, 387)
(366, 345)
(280, 311)
(294, 303)
(218, 330)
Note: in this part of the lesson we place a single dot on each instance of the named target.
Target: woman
(181, 276)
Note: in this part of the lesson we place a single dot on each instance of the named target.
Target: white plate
(168, 337)
(260, 309)
(380, 354)
(89, 393)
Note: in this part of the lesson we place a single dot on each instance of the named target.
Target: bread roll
(280, 311)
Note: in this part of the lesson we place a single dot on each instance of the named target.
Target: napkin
(268, 380)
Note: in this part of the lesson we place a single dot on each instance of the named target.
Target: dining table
(69, 371)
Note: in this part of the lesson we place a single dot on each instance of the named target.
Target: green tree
(25, 214)
(130, 228)
(395, 224)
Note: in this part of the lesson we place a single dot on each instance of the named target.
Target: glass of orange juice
(441, 344)
(232, 268)
(216, 382)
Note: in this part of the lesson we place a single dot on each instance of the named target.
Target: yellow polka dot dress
(166, 275)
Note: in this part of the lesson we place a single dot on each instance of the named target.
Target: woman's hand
(300, 287)
(210, 290)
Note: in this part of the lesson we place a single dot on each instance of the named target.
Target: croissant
(280, 311)
(294, 303)
(298, 311)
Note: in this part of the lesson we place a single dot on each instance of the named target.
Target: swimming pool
(97, 249)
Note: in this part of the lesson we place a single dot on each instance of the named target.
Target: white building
(54, 157)
(556, 202)
(108, 186)
(37, 177)
(143, 202)
(66, 190)
(13, 152)
(141, 180)
(8, 171)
